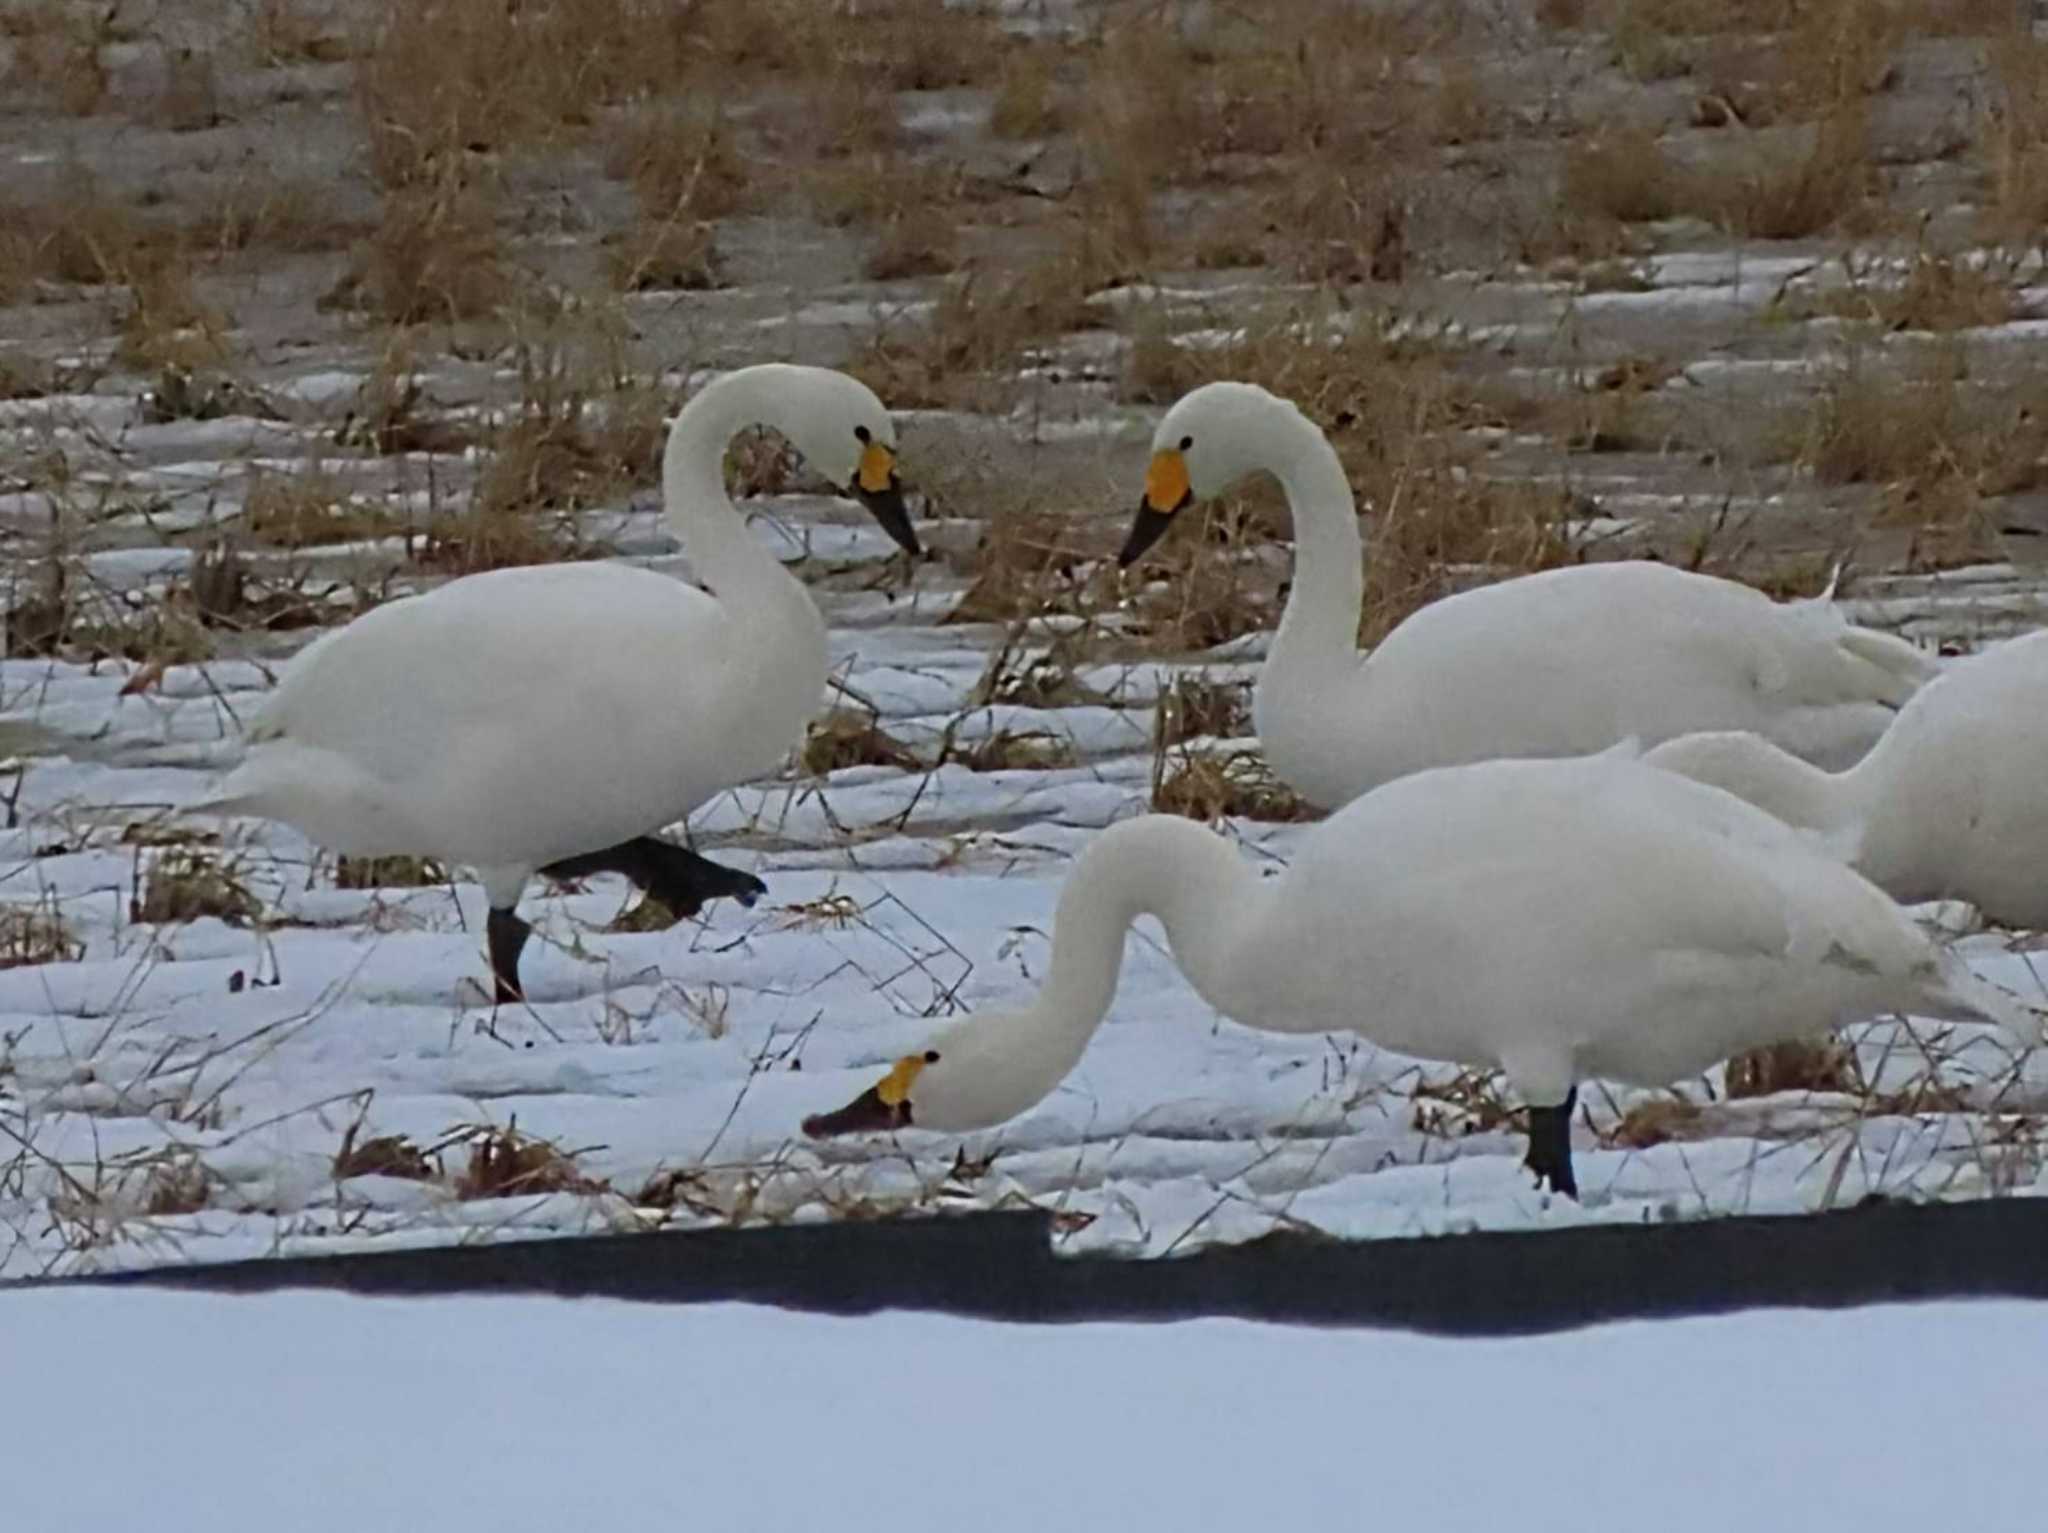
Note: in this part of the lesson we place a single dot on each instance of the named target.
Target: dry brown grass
(1790, 183)
(849, 737)
(187, 884)
(1823, 1064)
(438, 82)
(436, 255)
(686, 169)
(1195, 706)
(1622, 174)
(396, 871)
(504, 1163)
(58, 53)
(1939, 443)
(382, 1155)
(176, 1184)
(166, 323)
(36, 934)
(310, 507)
(583, 430)
(913, 245)
(1214, 785)
(1030, 101)
(1938, 292)
(2013, 140)
(265, 210)
(187, 99)
(74, 233)
(1021, 750)
(1031, 561)
(1657, 1120)
(964, 353)
(1395, 409)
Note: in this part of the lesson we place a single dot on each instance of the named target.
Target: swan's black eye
(1186, 442)
(860, 433)
(931, 1056)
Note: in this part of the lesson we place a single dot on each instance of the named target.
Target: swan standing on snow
(1556, 919)
(1562, 663)
(547, 719)
(1951, 803)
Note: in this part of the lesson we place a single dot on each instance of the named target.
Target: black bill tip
(865, 1114)
(891, 514)
(1147, 528)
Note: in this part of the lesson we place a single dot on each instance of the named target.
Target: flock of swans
(1612, 821)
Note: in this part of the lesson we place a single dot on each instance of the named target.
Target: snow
(318, 1411)
(234, 1059)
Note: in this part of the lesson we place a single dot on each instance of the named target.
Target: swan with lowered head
(548, 719)
(1561, 663)
(1951, 804)
(1590, 917)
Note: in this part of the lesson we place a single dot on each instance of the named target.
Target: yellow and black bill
(882, 1107)
(876, 486)
(1167, 491)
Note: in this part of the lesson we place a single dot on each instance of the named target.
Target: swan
(1951, 803)
(547, 719)
(1557, 919)
(1561, 663)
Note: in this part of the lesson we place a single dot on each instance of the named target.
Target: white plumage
(530, 718)
(1951, 803)
(1590, 917)
(1561, 663)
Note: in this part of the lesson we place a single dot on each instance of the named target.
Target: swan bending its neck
(1776, 781)
(1205, 896)
(758, 592)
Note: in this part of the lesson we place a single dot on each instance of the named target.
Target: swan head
(976, 1074)
(1215, 436)
(843, 432)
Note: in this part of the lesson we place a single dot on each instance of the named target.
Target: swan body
(549, 718)
(1952, 803)
(1561, 663)
(1589, 917)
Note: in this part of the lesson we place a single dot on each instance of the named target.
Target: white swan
(547, 719)
(1951, 803)
(1561, 663)
(1557, 919)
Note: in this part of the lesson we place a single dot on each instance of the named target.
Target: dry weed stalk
(187, 884)
(505, 1163)
(36, 934)
(850, 737)
(396, 871)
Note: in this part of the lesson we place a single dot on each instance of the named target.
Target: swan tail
(1954, 994)
(1898, 668)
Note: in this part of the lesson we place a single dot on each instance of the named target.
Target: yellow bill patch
(1166, 481)
(877, 468)
(894, 1088)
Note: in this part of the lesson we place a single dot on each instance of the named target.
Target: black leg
(673, 874)
(506, 935)
(1550, 1145)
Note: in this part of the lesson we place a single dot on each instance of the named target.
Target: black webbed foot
(673, 874)
(1550, 1146)
(506, 935)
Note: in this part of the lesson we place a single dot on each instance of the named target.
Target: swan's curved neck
(723, 555)
(774, 676)
(1838, 804)
(1318, 635)
(1160, 865)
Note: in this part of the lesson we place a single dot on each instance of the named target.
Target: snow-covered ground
(180, 1091)
(316, 1411)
